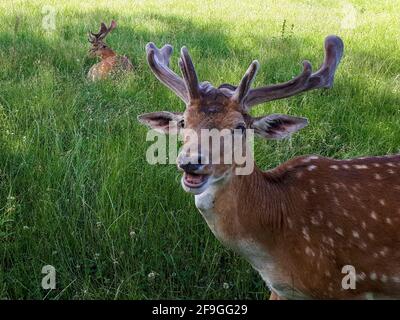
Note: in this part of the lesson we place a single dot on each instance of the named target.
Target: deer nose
(191, 164)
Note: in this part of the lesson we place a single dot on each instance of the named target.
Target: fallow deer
(298, 224)
(110, 61)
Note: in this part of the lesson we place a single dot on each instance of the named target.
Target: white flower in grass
(132, 234)
(152, 275)
(226, 285)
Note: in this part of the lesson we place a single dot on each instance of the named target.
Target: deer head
(99, 47)
(227, 107)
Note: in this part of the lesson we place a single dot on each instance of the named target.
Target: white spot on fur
(314, 221)
(336, 201)
(309, 252)
(362, 276)
(339, 231)
(327, 273)
(313, 190)
(363, 245)
(336, 185)
(306, 234)
(311, 168)
(299, 174)
(364, 225)
(360, 166)
(371, 236)
(384, 251)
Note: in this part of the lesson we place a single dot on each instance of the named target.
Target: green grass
(75, 189)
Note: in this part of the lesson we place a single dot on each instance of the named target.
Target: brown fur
(108, 65)
(274, 207)
(311, 216)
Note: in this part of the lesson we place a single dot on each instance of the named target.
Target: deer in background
(110, 61)
(298, 224)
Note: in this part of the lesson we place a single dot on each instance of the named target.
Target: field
(76, 191)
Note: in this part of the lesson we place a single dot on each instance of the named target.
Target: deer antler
(323, 78)
(93, 37)
(158, 60)
(189, 74)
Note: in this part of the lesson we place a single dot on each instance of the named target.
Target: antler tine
(333, 54)
(158, 60)
(189, 74)
(104, 30)
(323, 78)
(113, 25)
(91, 37)
(245, 84)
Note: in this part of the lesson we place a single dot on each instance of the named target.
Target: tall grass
(75, 189)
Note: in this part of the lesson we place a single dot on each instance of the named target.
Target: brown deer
(110, 61)
(300, 225)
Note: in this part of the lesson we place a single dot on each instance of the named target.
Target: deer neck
(253, 207)
(107, 53)
(250, 214)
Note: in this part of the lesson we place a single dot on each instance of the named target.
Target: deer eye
(240, 128)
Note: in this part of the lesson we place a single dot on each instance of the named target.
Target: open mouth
(193, 180)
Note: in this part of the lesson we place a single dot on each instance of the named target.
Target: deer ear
(103, 28)
(164, 121)
(113, 25)
(277, 126)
